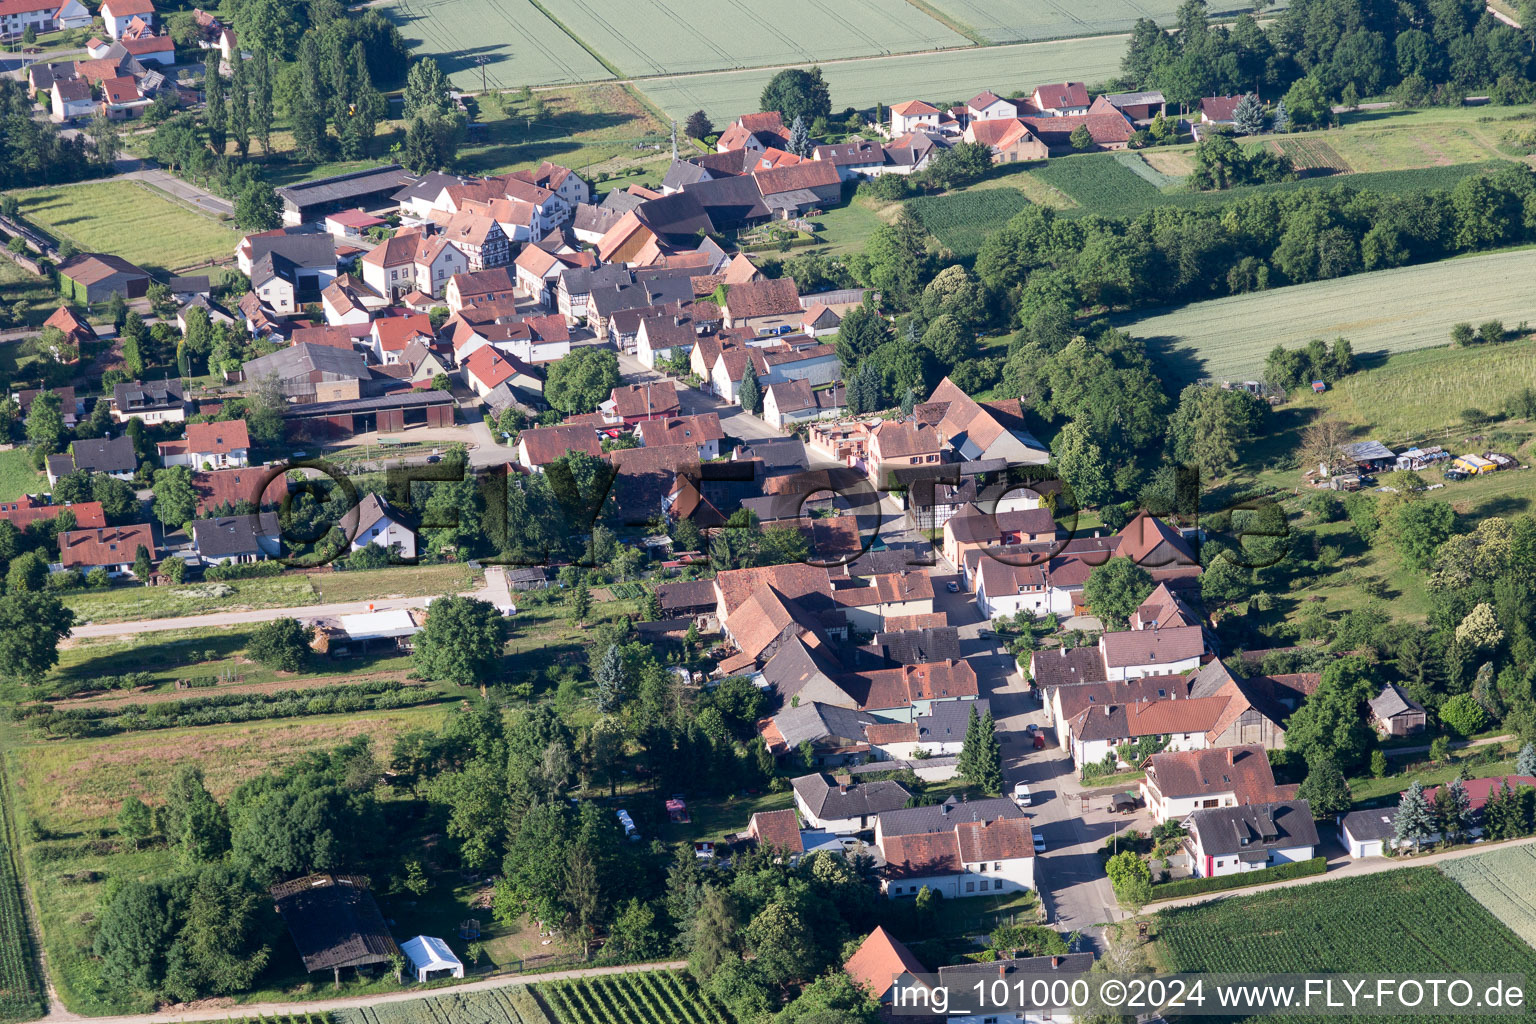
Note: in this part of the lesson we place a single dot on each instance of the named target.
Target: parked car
(1021, 795)
(952, 587)
(1039, 843)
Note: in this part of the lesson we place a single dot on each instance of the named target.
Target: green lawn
(1366, 790)
(38, 296)
(844, 229)
(398, 581)
(17, 475)
(130, 220)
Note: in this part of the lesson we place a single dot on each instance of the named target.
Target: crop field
(1504, 881)
(1385, 311)
(20, 995)
(936, 77)
(1016, 21)
(659, 37)
(961, 222)
(512, 1005)
(1137, 165)
(1410, 921)
(519, 42)
(1311, 156)
(1414, 393)
(131, 221)
(1390, 147)
(1101, 184)
(649, 997)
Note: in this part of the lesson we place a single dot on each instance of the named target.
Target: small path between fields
(226, 1011)
(1459, 745)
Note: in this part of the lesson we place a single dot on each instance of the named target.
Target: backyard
(17, 474)
(130, 220)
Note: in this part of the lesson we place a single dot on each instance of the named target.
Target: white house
(223, 444)
(976, 848)
(1229, 840)
(1043, 974)
(988, 106)
(373, 521)
(236, 539)
(413, 261)
(1178, 783)
(1186, 722)
(911, 116)
(938, 733)
(117, 14)
(661, 337)
(1131, 654)
(42, 16)
(845, 808)
(1005, 588)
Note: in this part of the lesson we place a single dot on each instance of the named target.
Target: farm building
(1368, 456)
(311, 200)
(92, 277)
(334, 922)
(387, 414)
(1394, 713)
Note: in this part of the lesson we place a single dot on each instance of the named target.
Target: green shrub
(1243, 879)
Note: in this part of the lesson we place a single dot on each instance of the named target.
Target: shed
(334, 922)
(429, 956)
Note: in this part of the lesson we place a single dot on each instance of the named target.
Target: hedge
(1241, 880)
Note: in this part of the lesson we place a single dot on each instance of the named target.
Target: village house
(1136, 653)
(777, 832)
(347, 301)
(1029, 973)
(373, 520)
(117, 15)
(912, 116)
(1095, 733)
(956, 849)
(842, 807)
(1371, 832)
(26, 510)
(113, 456)
(224, 491)
(71, 98)
(659, 338)
(222, 444)
(156, 401)
(539, 446)
(75, 329)
(236, 539)
(479, 237)
(214, 35)
(413, 261)
(1062, 99)
(884, 968)
(468, 289)
(1179, 783)
(1009, 140)
(113, 548)
(390, 336)
(896, 443)
(786, 403)
(71, 406)
(939, 733)
(972, 528)
(562, 181)
(755, 132)
(988, 106)
(1229, 840)
(487, 369)
(148, 49)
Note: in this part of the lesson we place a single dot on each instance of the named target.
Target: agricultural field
(648, 997)
(1385, 311)
(937, 77)
(21, 997)
(132, 221)
(1310, 156)
(1016, 21)
(1410, 921)
(599, 130)
(660, 37)
(962, 221)
(1137, 165)
(1104, 185)
(519, 42)
(511, 1005)
(1390, 145)
(1501, 880)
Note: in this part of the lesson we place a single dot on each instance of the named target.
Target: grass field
(963, 220)
(16, 285)
(1410, 921)
(658, 37)
(127, 602)
(936, 77)
(1417, 392)
(519, 42)
(1501, 880)
(17, 476)
(647, 997)
(1384, 311)
(131, 221)
(404, 581)
(596, 129)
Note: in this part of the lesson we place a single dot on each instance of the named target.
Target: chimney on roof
(1055, 962)
(1108, 710)
(1002, 969)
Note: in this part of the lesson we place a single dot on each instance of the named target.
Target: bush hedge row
(1243, 879)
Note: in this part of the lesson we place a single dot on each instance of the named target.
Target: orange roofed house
(1181, 782)
(223, 444)
(882, 966)
(956, 849)
(112, 548)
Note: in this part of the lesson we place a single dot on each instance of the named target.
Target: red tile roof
(546, 444)
(922, 854)
(108, 545)
(228, 487)
(330, 337)
(395, 333)
(914, 108)
(693, 430)
(999, 839)
(1062, 94)
(23, 512)
(1242, 770)
(1155, 647)
(811, 174)
(880, 960)
(777, 829)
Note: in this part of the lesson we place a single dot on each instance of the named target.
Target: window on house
(998, 884)
(970, 886)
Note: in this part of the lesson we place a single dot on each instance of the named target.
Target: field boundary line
(955, 25)
(614, 71)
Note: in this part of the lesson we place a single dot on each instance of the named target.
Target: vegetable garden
(1504, 881)
(1312, 157)
(962, 221)
(649, 997)
(1402, 922)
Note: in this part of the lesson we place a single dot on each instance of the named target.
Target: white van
(1021, 795)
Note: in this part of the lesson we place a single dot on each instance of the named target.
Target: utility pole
(674, 140)
(482, 59)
